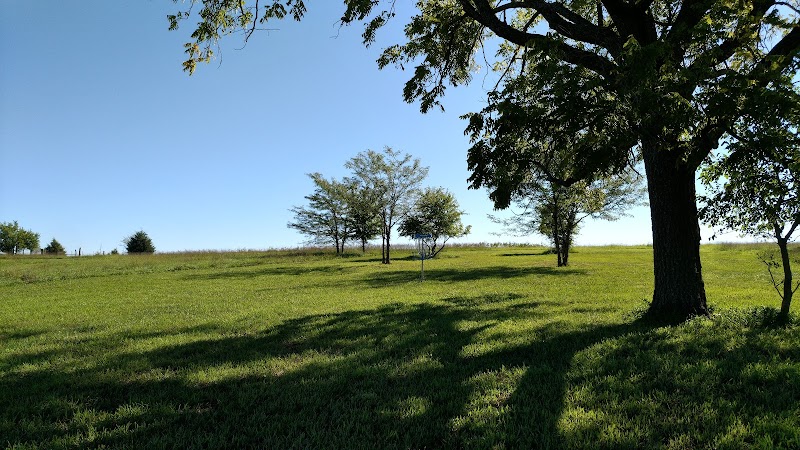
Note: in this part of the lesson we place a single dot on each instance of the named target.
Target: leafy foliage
(754, 192)
(14, 238)
(362, 206)
(435, 212)
(363, 212)
(325, 219)
(139, 242)
(55, 248)
(557, 212)
(394, 179)
(755, 184)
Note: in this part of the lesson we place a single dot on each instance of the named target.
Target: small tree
(55, 248)
(139, 242)
(30, 241)
(324, 220)
(363, 212)
(395, 177)
(435, 212)
(557, 211)
(755, 186)
(14, 238)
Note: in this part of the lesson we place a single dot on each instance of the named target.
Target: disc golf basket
(424, 251)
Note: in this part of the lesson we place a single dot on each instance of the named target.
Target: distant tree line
(14, 240)
(382, 192)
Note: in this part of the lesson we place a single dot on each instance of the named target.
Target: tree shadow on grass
(393, 377)
(272, 270)
(388, 278)
(707, 384)
(19, 334)
(400, 376)
(544, 252)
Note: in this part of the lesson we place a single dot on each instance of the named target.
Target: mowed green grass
(497, 348)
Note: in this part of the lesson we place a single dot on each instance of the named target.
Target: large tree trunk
(679, 290)
(786, 302)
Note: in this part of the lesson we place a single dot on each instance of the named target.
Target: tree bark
(679, 289)
(383, 242)
(557, 229)
(565, 245)
(786, 302)
(388, 246)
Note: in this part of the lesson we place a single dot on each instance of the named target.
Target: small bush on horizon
(139, 242)
(55, 248)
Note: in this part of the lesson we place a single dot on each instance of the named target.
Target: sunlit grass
(295, 349)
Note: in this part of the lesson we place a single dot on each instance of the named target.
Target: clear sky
(102, 134)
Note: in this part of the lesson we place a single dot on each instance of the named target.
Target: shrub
(55, 248)
(139, 242)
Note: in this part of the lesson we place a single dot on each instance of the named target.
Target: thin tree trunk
(385, 241)
(566, 237)
(388, 245)
(679, 289)
(786, 302)
(556, 229)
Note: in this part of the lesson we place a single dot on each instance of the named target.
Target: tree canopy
(139, 242)
(435, 212)
(55, 248)
(557, 212)
(661, 80)
(326, 219)
(14, 238)
(754, 184)
(394, 178)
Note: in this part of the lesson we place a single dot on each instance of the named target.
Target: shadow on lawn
(270, 270)
(388, 277)
(544, 252)
(393, 377)
(379, 279)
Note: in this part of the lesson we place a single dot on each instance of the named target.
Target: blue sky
(102, 134)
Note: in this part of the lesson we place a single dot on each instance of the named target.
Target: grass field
(498, 348)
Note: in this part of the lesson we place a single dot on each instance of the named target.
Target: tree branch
(631, 20)
(778, 59)
(688, 17)
(729, 46)
(482, 12)
(574, 26)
